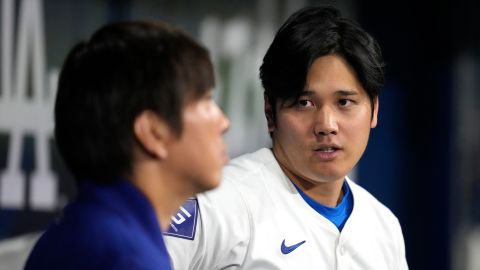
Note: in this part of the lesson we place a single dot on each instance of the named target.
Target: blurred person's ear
(152, 133)
(373, 123)
(269, 114)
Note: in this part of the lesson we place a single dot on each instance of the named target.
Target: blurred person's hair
(107, 81)
(308, 34)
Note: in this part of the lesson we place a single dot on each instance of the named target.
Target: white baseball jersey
(257, 219)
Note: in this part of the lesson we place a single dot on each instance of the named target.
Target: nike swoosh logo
(287, 249)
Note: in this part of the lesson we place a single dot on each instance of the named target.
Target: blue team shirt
(337, 215)
(106, 227)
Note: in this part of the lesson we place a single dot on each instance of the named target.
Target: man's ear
(269, 114)
(152, 133)
(373, 123)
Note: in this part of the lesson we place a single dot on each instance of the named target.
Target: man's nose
(325, 122)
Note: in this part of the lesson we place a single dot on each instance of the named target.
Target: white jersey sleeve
(218, 234)
(402, 259)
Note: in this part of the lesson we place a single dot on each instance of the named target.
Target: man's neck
(326, 193)
(162, 188)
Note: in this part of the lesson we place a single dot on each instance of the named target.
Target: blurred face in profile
(199, 153)
(322, 136)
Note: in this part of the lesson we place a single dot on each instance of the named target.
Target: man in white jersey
(292, 206)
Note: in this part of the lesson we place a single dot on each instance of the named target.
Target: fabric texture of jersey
(257, 219)
(106, 227)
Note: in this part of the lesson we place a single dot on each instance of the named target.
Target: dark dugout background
(423, 160)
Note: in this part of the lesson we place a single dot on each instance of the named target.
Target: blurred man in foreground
(137, 126)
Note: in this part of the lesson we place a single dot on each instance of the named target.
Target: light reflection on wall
(466, 170)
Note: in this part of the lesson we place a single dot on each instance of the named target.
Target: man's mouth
(326, 149)
(327, 152)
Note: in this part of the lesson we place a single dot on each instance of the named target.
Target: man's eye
(305, 103)
(344, 102)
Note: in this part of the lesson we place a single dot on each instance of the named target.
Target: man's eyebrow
(343, 92)
(307, 93)
(346, 93)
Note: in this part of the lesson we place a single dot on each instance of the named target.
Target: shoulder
(252, 164)
(369, 206)
(242, 178)
(373, 219)
(224, 221)
(75, 237)
(244, 173)
(231, 210)
(83, 221)
(246, 181)
(105, 243)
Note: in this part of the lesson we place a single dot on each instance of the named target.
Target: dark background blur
(423, 160)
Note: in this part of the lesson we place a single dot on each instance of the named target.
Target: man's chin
(322, 176)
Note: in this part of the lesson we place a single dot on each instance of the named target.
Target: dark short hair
(106, 82)
(310, 33)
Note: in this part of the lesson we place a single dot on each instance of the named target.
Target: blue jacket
(106, 227)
